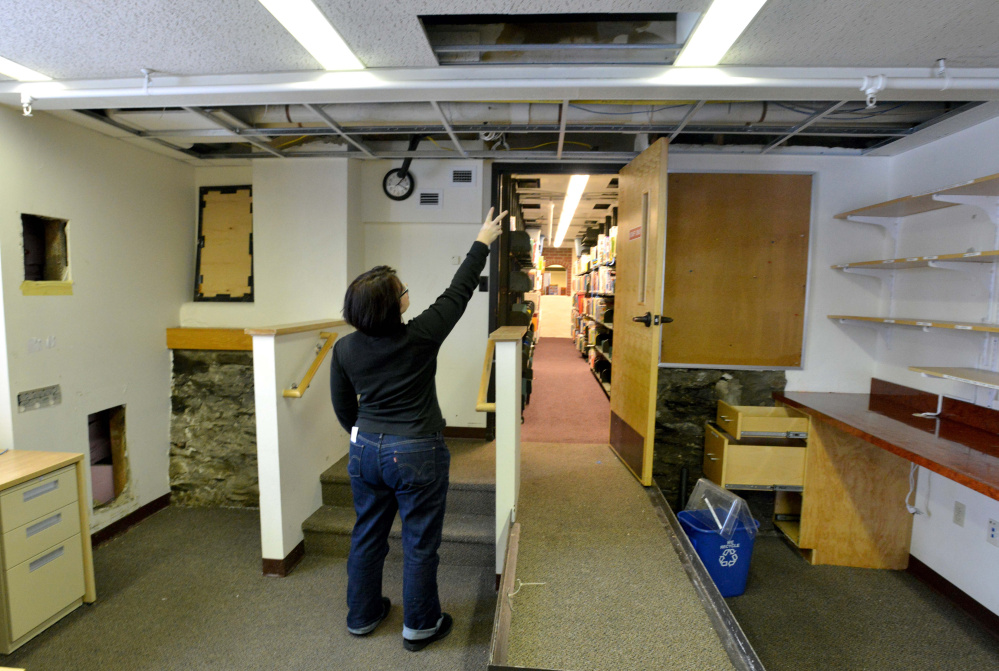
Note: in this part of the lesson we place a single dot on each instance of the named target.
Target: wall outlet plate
(959, 509)
(993, 533)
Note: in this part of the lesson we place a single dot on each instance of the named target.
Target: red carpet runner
(567, 404)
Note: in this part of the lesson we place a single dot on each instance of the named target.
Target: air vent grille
(430, 198)
(462, 177)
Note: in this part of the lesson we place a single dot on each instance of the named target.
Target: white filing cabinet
(47, 567)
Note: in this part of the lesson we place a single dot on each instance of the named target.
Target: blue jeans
(409, 475)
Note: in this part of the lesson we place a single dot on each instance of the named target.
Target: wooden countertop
(962, 453)
(17, 466)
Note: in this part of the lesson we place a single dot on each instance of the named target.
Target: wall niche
(108, 462)
(46, 256)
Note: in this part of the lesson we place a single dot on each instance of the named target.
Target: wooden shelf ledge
(909, 205)
(975, 376)
(224, 339)
(924, 323)
(922, 261)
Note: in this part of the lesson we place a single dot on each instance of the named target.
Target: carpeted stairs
(469, 523)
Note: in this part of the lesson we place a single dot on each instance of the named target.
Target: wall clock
(398, 183)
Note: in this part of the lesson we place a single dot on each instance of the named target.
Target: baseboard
(476, 432)
(280, 568)
(129, 521)
(955, 595)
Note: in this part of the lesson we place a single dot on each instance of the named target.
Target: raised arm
(437, 321)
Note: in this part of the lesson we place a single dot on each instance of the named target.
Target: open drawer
(753, 463)
(749, 421)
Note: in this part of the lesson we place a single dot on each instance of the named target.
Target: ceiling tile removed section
(589, 131)
(558, 39)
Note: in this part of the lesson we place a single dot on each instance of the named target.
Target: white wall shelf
(975, 376)
(982, 193)
(925, 324)
(937, 261)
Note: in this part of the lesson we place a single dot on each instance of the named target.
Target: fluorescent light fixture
(717, 32)
(20, 73)
(577, 183)
(313, 31)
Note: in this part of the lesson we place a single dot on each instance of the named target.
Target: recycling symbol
(728, 557)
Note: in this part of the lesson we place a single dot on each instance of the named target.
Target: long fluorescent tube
(577, 183)
(20, 73)
(313, 31)
(717, 32)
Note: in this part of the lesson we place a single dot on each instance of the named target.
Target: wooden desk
(955, 450)
(45, 517)
(852, 505)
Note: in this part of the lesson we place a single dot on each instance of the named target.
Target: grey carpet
(615, 594)
(183, 590)
(799, 616)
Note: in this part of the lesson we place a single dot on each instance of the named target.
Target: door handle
(644, 319)
(648, 319)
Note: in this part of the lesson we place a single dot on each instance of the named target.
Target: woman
(382, 385)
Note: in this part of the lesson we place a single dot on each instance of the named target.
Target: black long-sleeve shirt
(394, 375)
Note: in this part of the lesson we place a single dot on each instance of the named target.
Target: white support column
(265, 393)
(508, 391)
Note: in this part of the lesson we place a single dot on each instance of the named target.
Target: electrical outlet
(993, 533)
(959, 513)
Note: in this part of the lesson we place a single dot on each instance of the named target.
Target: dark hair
(372, 303)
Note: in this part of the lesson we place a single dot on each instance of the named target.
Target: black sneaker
(442, 631)
(386, 605)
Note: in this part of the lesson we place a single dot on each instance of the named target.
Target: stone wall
(687, 398)
(213, 435)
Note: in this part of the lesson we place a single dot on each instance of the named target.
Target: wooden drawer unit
(753, 463)
(747, 421)
(47, 566)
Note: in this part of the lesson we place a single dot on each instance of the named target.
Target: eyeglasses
(404, 291)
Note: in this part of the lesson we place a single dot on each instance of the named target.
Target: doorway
(570, 341)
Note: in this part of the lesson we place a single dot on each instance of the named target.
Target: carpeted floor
(615, 596)
(567, 404)
(799, 616)
(183, 590)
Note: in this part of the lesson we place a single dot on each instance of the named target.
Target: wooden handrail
(487, 367)
(502, 334)
(298, 390)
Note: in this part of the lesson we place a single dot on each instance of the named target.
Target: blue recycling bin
(727, 560)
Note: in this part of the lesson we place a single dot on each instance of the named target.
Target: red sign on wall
(635, 233)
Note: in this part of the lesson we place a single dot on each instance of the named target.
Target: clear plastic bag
(726, 512)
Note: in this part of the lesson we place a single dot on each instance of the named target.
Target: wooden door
(641, 248)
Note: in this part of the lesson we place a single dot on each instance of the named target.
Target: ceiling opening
(558, 39)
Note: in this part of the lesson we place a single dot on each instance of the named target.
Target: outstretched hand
(491, 228)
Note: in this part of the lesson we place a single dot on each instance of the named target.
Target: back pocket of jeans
(416, 469)
(354, 461)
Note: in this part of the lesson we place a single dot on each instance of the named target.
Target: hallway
(567, 404)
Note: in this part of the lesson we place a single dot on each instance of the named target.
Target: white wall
(130, 231)
(300, 249)
(959, 554)
(425, 245)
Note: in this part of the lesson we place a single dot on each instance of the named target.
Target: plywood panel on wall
(736, 269)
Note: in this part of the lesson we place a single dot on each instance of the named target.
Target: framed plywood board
(736, 269)
(225, 244)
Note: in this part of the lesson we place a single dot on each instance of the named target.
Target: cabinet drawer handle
(710, 458)
(41, 490)
(39, 527)
(724, 418)
(47, 559)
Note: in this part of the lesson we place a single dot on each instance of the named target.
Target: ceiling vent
(463, 177)
(430, 198)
